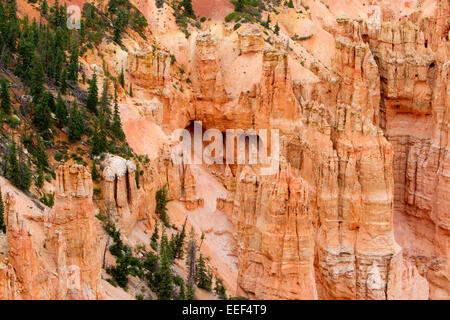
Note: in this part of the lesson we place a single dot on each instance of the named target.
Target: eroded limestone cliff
(358, 206)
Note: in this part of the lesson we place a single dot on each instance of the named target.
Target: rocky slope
(359, 205)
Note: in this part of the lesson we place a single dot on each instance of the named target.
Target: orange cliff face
(358, 206)
(413, 57)
(52, 253)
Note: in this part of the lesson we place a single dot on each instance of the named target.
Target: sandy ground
(143, 135)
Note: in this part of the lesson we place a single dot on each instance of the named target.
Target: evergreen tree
(64, 86)
(164, 275)
(40, 153)
(25, 57)
(191, 258)
(119, 24)
(161, 202)
(182, 294)
(82, 32)
(44, 7)
(122, 79)
(188, 10)
(2, 214)
(204, 279)
(277, 29)
(42, 113)
(165, 246)
(26, 173)
(60, 58)
(131, 90)
(190, 291)
(94, 172)
(239, 6)
(12, 165)
(155, 237)
(137, 174)
(178, 242)
(61, 111)
(99, 142)
(37, 79)
(105, 111)
(75, 123)
(92, 98)
(9, 29)
(18, 172)
(73, 64)
(220, 289)
(40, 177)
(290, 4)
(201, 240)
(5, 106)
(116, 125)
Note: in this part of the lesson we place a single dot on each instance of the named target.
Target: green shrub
(161, 202)
(13, 122)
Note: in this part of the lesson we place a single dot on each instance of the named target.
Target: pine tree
(203, 279)
(116, 125)
(61, 111)
(290, 4)
(42, 113)
(165, 246)
(164, 275)
(119, 24)
(64, 86)
(60, 57)
(92, 98)
(182, 294)
(5, 106)
(179, 242)
(105, 111)
(18, 172)
(161, 202)
(44, 7)
(99, 142)
(13, 167)
(26, 173)
(276, 29)
(188, 10)
(131, 90)
(40, 177)
(10, 27)
(40, 153)
(2, 214)
(191, 258)
(155, 237)
(190, 291)
(24, 64)
(94, 172)
(137, 174)
(75, 123)
(220, 289)
(122, 79)
(73, 65)
(37, 79)
(239, 6)
(201, 240)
